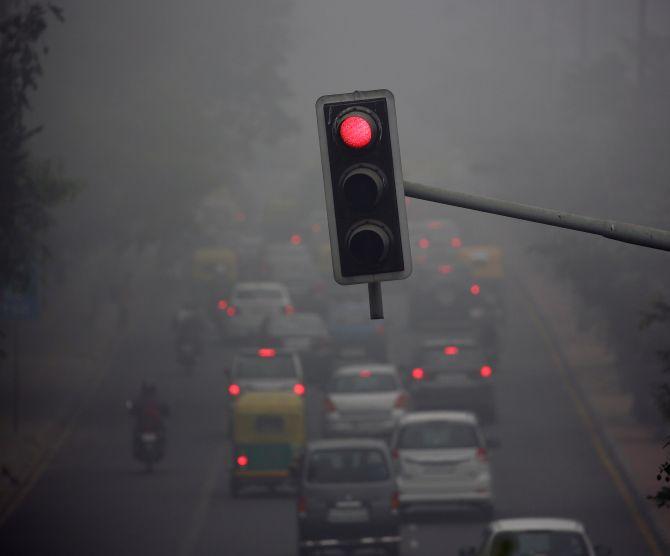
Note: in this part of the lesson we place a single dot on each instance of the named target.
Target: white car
(545, 536)
(253, 302)
(364, 400)
(441, 458)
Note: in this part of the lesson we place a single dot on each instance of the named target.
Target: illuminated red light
(417, 374)
(289, 309)
(365, 373)
(475, 289)
(435, 225)
(356, 132)
(222, 304)
(242, 461)
(234, 390)
(298, 389)
(424, 243)
(486, 371)
(231, 311)
(456, 242)
(267, 352)
(451, 350)
(444, 268)
(296, 239)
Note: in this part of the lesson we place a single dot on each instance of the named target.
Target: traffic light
(365, 198)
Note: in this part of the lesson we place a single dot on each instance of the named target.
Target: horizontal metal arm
(620, 231)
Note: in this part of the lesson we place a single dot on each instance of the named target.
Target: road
(93, 499)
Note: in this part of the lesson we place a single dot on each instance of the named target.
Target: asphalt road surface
(93, 499)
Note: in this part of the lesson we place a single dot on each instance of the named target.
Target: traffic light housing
(365, 198)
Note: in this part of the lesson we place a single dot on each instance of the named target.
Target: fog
(188, 127)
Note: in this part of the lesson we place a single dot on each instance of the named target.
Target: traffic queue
(326, 405)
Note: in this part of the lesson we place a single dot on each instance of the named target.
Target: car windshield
(348, 465)
(280, 366)
(298, 325)
(539, 543)
(258, 294)
(364, 382)
(437, 435)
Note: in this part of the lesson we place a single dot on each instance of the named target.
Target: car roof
(344, 443)
(259, 286)
(536, 524)
(427, 416)
(379, 368)
(451, 340)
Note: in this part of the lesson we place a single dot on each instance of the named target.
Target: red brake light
(481, 454)
(329, 406)
(435, 225)
(456, 242)
(296, 239)
(365, 373)
(444, 268)
(222, 304)
(298, 389)
(356, 132)
(234, 390)
(395, 454)
(401, 401)
(379, 329)
(289, 310)
(451, 350)
(395, 501)
(486, 371)
(231, 311)
(475, 289)
(267, 352)
(302, 505)
(242, 460)
(417, 374)
(424, 243)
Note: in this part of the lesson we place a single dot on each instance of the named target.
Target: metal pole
(620, 231)
(17, 384)
(376, 306)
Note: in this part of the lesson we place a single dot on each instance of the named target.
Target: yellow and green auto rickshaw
(268, 436)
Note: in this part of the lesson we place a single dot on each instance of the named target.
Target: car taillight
(379, 328)
(395, 501)
(329, 406)
(298, 389)
(451, 350)
(231, 311)
(222, 304)
(456, 242)
(486, 371)
(418, 373)
(481, 454)
(475, 289)
(267, 352)
(401, 401)
(234, 390)
(302, 505)
(289, 310)
(242, 460)
(395, 454)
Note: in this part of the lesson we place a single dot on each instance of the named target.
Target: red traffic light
(356, 132)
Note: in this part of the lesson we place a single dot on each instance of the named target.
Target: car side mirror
(601, 550)
(467, 551)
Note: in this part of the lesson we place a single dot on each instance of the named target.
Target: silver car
(546, 536)
(441, 458)
(251, 303)
(364, 400)
(347, 497)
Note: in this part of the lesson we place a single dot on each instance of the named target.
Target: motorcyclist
(149, 414)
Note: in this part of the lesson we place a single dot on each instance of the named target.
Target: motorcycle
(148, 444)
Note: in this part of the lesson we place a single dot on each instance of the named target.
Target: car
(546, 536)
(364, 400)
(355, 335)
(441, 457)
(347, 497)
(305, 334)
(453, 373)
(250, 304)
(265, 369)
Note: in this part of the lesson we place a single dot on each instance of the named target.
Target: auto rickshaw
(268, 437)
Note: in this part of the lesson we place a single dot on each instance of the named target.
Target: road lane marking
(194, 531)
(587, 420)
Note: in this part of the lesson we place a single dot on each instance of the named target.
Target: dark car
(453, 373)
(347, 497)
